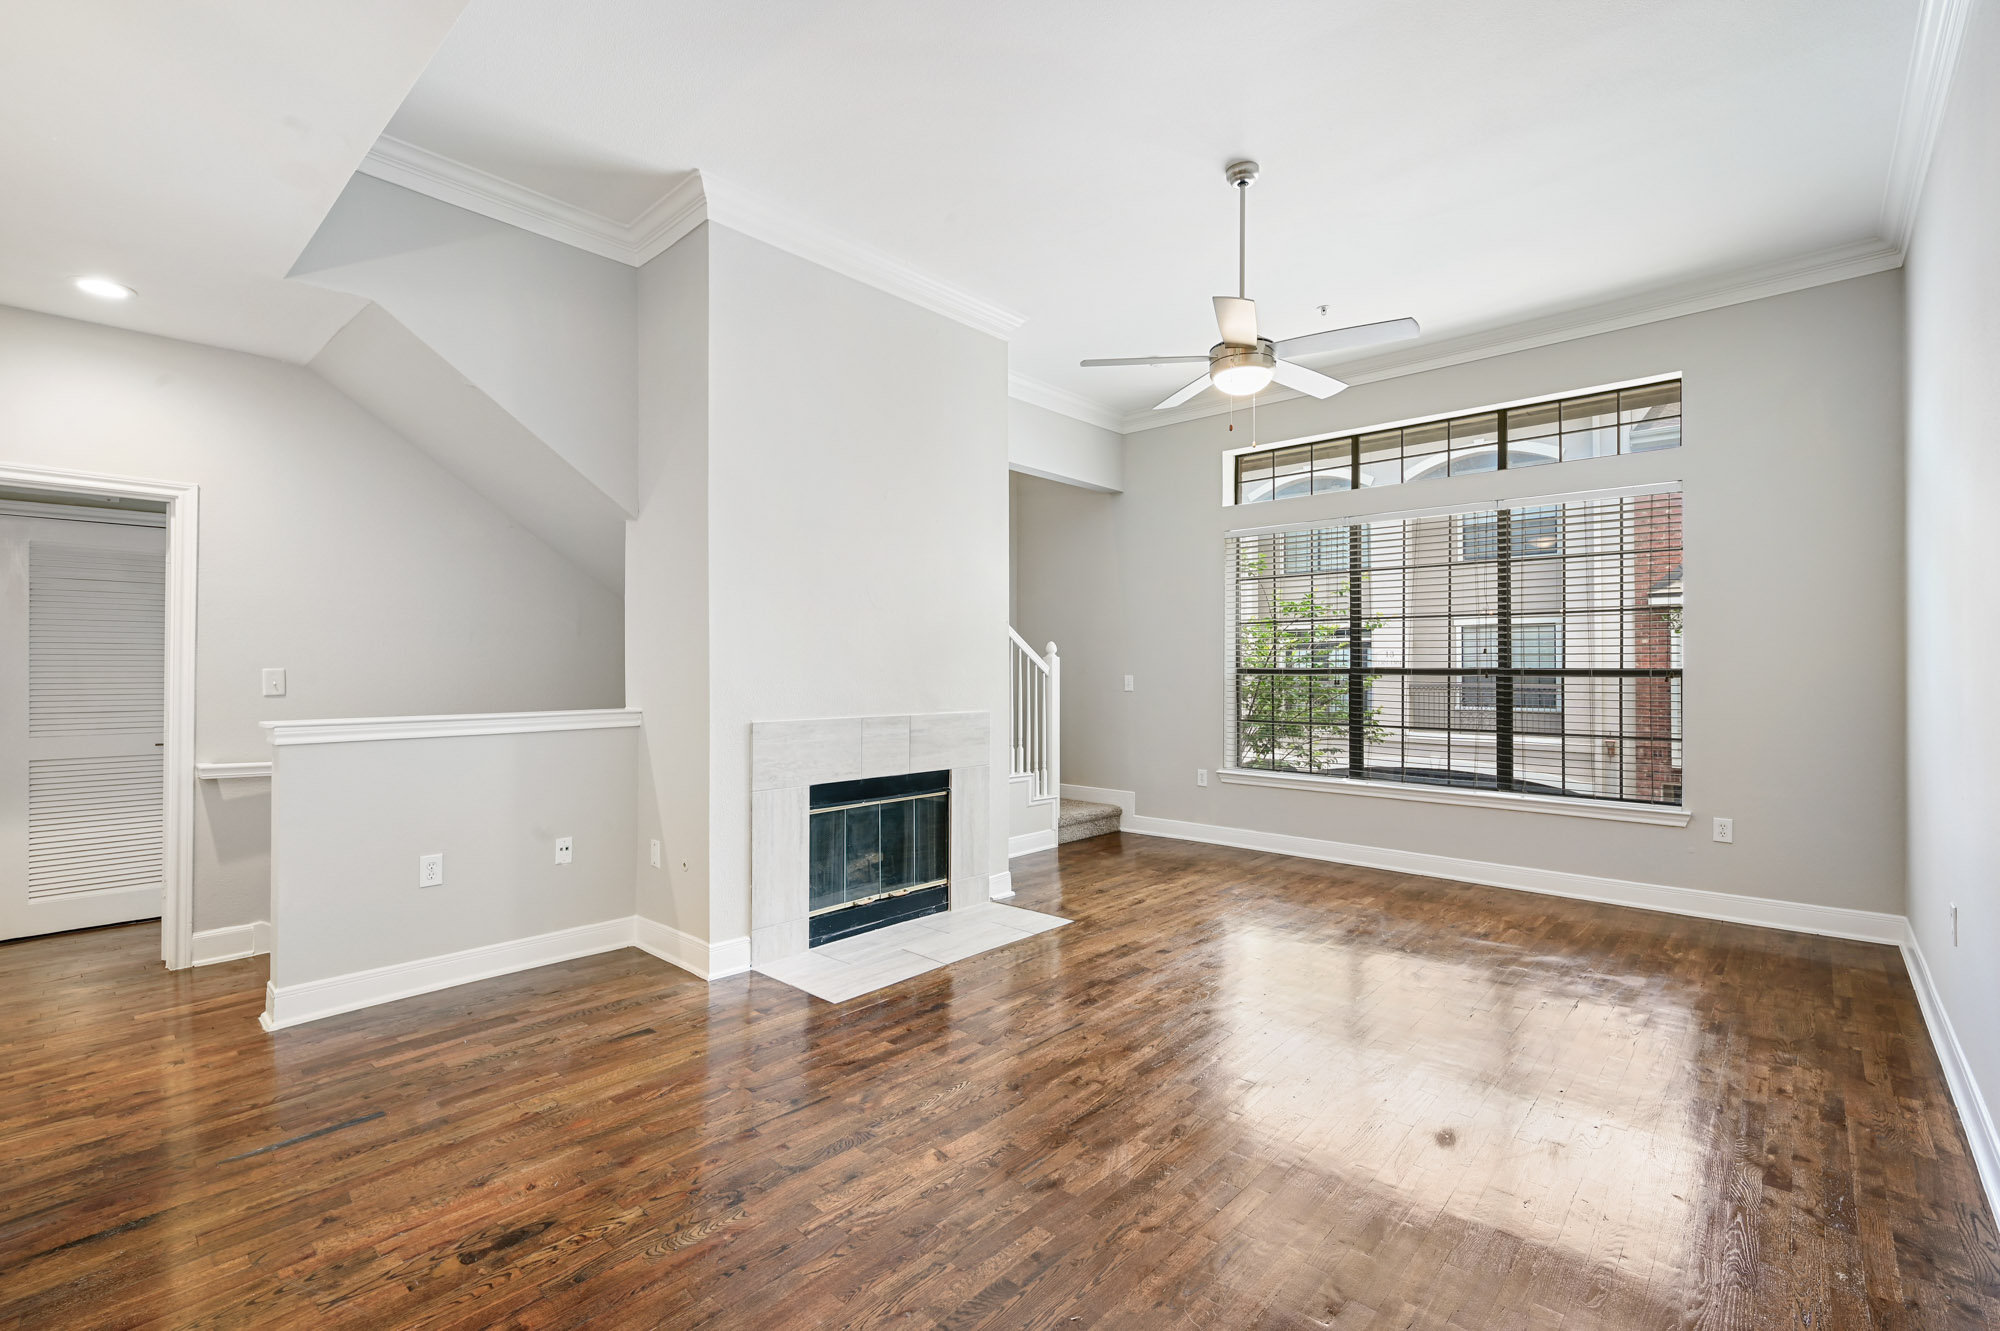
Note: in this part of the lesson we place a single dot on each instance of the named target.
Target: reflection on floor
(867, 962)
(1240, 1092)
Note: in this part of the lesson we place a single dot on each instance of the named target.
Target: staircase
(1083, 818)
(1037, 750)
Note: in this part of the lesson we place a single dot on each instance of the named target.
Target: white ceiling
(190, 150)
(1470, 164)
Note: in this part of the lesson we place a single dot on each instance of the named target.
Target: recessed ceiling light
(103, 288)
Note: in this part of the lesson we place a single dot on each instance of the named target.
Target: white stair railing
(1037, 748)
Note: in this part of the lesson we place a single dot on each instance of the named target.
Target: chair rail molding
(366, 730)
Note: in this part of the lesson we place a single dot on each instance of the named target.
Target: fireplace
(858, 814)
(878, 852)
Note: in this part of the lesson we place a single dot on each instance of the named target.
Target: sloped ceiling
(189, 150)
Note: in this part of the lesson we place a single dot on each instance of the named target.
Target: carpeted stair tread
(1077, 820)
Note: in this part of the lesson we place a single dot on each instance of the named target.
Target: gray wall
(666, 586)
(328, 545)
(858, 523)
(1049, 444)
(1793, 477)
(1954, 609)
(353, 820)
(814, 540)
(544, 329)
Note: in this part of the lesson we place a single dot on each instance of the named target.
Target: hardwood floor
(1240, 1091)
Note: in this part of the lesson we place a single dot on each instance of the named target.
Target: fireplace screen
(879, 852)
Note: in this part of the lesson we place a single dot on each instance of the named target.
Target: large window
(1532, 648)
(1615, 420)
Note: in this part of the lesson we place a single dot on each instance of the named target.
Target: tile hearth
(866, 962)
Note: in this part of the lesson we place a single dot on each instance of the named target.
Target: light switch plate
(430, 870)
(1128, 683)
(656, 854)
(274, 681)
(563, 850)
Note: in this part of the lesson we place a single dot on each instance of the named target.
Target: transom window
(1618, 420)
(1533, 648)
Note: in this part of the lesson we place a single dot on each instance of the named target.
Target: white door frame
(183, 519)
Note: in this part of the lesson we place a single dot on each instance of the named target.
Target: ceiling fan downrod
(1242, 175)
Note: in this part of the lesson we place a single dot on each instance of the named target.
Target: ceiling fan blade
(1183, 395)
(1149, 360)
(1345, 339)
(1236, 316)
(1306, 381)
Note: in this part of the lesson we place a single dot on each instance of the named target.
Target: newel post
(1055, 725)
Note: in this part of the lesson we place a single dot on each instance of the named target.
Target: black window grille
(1563, 429)
(1411, 650)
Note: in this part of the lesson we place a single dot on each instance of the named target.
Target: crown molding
(1926, 93)
(451, 181)
(698, 197)
(1047, 396)
(1668, 302)
(760, 220)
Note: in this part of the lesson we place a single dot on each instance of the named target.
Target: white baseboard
(1124, 799)
(309, 1001)
(233, 943)
(710, 961)
(1973, 1112)
(1833, 921)
(1027, 843)
(1000, 886)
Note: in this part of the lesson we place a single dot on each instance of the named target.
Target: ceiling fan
(1243, 363)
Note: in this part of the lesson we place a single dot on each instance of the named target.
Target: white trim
(760, 220)
(1028, 843)
(110, 517)
(1000, 886)
(708, 961)
(183, 501)
(232, 943)
(1040, 393)
(361, 730)
(1798, 916)
(1537, 400)
(1355, 513)
(1926, 93)
(1605, 810)
(1668, 302)
(310, 1000)
(453, 182)
(1127, 802)
(692, 200)
(1973, 1113)
(232, 771)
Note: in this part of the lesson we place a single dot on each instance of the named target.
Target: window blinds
(1533, 647)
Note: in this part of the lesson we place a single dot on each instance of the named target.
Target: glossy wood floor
(1240, 1091)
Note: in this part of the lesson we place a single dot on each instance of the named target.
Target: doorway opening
(96, 704)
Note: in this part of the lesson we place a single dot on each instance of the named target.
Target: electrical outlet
(1128, 683)
(1201, 776)
(430, 870)
(274, 681)
(1725, 830)
(563, 850)
(656, 854)
(1954, 924)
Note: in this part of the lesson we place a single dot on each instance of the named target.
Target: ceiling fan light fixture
(1240, 372)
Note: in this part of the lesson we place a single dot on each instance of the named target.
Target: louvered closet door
(82, 717)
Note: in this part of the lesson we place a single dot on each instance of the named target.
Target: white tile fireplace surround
(788, 758)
